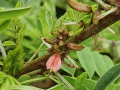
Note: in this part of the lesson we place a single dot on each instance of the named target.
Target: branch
(2, 50)
(40, 63)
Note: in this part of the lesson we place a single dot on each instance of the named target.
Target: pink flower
(54, 62)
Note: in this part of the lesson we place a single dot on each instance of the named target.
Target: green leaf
(49, 20)
(23, 78)
(27, 45)
(108, 62)
(12, 59)
(11, 27)
(1, 63)
(68, 69)
(57, 87)
(4, 25)
(100, 65)
(89, 84)
(80, 79)
(22, 30)
(18, 4)
(6, 43)
(18, 67)
(39, 27)
(87, 61)
(109, 77)
(9, 33)
(10, 14)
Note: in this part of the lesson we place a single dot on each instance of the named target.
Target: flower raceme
(54, 62)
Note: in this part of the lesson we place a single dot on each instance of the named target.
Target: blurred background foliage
(109, 43)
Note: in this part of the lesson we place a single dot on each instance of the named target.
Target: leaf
(4, 25)
(108, 62)
(87, 61)
(23, 78)
(10, 14)
(68, 69)
(22, 30)
(9, 33)
(57, 87)
(11, 27)
(80, 79)
(110, 76)
(6, 43)
(1, 63)
(49, 20)
(18, 67)
(100, 65)
(39, 27)
(18, 4)
(27, 45)
(12, 59)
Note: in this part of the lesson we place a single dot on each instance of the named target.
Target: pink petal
(57, 63)
(50, 61)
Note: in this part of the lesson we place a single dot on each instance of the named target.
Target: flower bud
(54, 34)
(70, 33)
(60, 31)
(95, 19)
(55, 46)
(73, 46)
(61, 43)
(50, 41)
(79, 6)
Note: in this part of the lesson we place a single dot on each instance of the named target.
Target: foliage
(24, 40)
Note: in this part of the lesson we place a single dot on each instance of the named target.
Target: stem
(16, 34)
(103, 5)
(48, 45)
(34, 72)
(73, 62)
(110, 30)
(35, 53)
(64, 81)
(34, 80)
(107, 13)
(2, 50)
(70, 23)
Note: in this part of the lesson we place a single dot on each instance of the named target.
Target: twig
(2, 50)
(35, 53)
(64, 81)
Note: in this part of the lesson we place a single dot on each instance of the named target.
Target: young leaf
(12, 59)
(1, 63)
(100, 65)
(68, 69)
(80, 79)
(9, 33)
(39, 27)
(18, 5)
(27, 45)
(10, 14)
(109, 77)
(23, 78)
(49, 20)
(22, 30)
(4, 25)
(11, 27)
(6, 43)
(87, 61)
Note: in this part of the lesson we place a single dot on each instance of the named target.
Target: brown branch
(80, 37)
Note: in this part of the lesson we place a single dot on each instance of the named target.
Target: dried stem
(2, 50)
